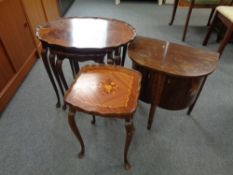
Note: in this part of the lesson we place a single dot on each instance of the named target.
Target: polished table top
(171, 58)
(86, 33)
(105, 90)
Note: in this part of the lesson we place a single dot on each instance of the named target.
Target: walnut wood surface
(173, 75)
(105, 90)
(171, 58)
(177, 92)
(79, 33)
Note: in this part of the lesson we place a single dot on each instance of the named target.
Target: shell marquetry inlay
(109, 87)
(106, 89)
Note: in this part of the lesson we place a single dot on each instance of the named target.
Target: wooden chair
(196, 4)
(225, 15)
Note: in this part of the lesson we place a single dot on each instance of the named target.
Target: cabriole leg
(74, 128)
(47, 68)
(129, 134)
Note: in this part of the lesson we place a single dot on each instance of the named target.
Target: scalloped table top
(86, 33)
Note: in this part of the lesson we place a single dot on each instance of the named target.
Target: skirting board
(10, 89)
(117, 2)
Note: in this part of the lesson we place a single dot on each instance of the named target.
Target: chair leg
(210, 30)
(187, 20)
(225, 40)
(174, 12)
(220, 33)
(210, 17)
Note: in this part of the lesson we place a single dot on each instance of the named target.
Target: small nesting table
(173, 75)
(81, 39)
(108, 91)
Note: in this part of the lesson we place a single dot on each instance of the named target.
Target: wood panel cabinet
(39, 12)
(51, 9)
(7, 70)
(18, 44)
(17, 48)
(35, 14)
(15, 32)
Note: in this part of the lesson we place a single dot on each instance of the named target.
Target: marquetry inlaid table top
(86, 33)
(171, 58)
(105, 90)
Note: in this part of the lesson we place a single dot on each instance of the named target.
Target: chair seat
(203, 2)
(226, 11)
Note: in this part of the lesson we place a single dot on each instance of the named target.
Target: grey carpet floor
(35, 138)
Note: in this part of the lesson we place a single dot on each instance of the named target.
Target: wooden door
(35, 13)
(16, 35)
(6, 69)
(51, 9)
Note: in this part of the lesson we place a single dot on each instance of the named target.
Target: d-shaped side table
(173, 74)
(108, 91)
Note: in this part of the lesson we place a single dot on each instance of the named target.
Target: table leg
(72, 67)
(117, 58)
(59, 70)
(129, 134)
(61, 75)
(110, 58)
(100, 59)
(151, 115)
(93, 119)
(47, 68)
(53, 66)
(74, 128)
(200, 89)
(158, 84)
(124, 55)
(76, 66)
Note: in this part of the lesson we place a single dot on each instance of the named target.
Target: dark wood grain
(172, 58)
(83, 39)
(86, 33)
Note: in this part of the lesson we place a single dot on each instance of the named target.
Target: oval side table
(82, 39)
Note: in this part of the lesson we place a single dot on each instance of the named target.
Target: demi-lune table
(173, 75)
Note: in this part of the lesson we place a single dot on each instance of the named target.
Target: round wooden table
(173, 74)
(82, 39)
